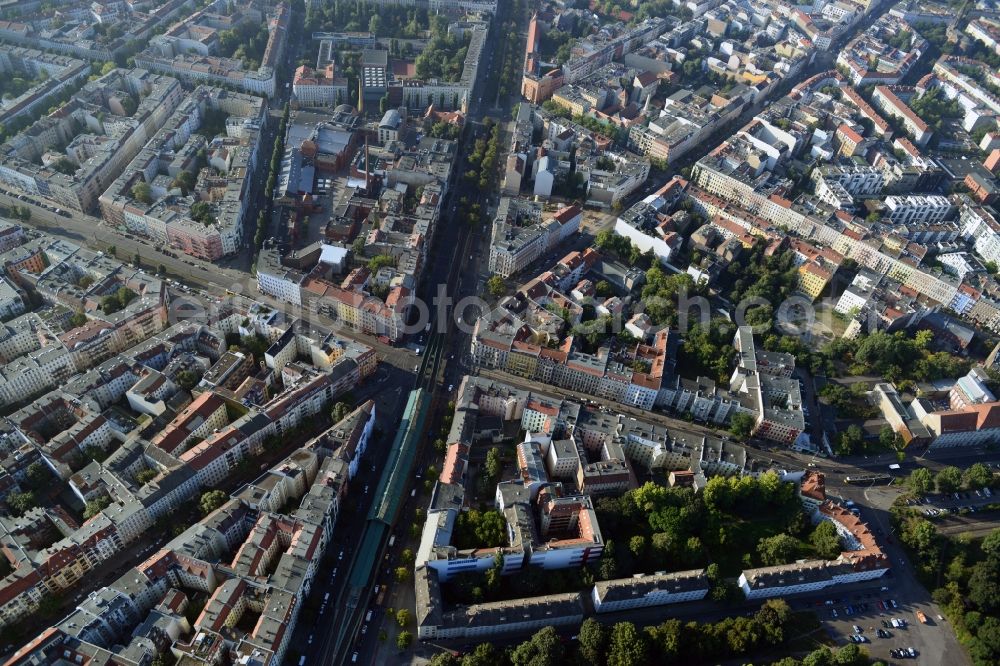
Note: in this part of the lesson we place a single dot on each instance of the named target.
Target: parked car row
(27, 199)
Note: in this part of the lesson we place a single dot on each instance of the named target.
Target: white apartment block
(917, 209)
(983, 229)
(276, 280)
(646, 590)
(987, 31)
(799, 577)
(857, 180)
(11, 303)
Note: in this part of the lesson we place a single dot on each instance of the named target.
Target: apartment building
(955, 70)
(855, 180)
(170, 53)
(166, 218)
(479, 621)
(761, 207)
(320, 87)
(765, 378)
(646, 223)
(890, 63)
(62, 73)
(918, 209)
(986, 30)
(891, 100)
(522, 233)
(277, 280)
(134, 104)
(972, 425)
(861, 560)
(645, 590)
(243, 558)
(980, 226)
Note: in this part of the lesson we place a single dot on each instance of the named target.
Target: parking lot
(966, 501)
(873, 613)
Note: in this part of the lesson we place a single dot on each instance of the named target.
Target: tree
(494, 465)
(185, 180)
(778, 549)
(77, 319)
(407, 557)
(144, 476)
(774, 613)
(826, 540)
(851, 440)
(887, 437)
(142, 192)
(65, 166)
(403, 617)
(496, 286)
(608, 567)
(637, 545)
(984, 585)
(948, 480)
(985, 647)
(211, 500)
(37, 474)
(21, 503)
(125, 296)
(95, 506)
(339, 412)
(593, 642)
(484, 655)
(991, 544)
(741, 425)
(95, 453)
(107, 68)
(187, 379)
(978, 476)
(402, 574)
(380, 261)
(202, 212)
(403, 640)
(627, 646)
(666, 640)
(921, 482)
(544, 648)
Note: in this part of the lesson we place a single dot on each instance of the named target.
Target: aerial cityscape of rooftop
(499, 332)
